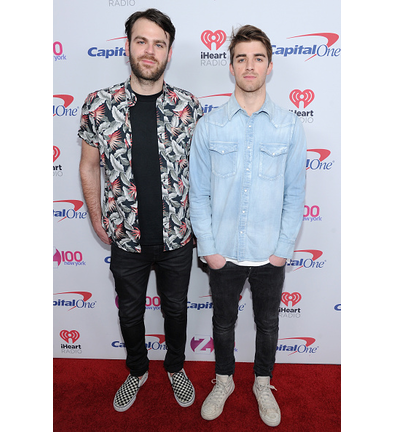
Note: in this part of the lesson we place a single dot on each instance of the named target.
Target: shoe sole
(208, 417)
(267, 422)
(131, 402)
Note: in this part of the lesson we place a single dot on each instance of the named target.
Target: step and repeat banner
(89, 54)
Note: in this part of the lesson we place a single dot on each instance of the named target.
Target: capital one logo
(298, 97)
(155, 342)
(309, 259)
(218, 37)
(62, 109)
(75, 303)
(301, 48)
(304, 347)
(288, 298)
(217, 102)
(202, 344)
(69, 336)
(71, 213)
(320, 163)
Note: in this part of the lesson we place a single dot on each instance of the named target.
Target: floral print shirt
(105, 124)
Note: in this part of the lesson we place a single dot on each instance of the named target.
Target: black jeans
(226, 286)
(131, 273)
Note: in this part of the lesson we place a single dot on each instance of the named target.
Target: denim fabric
(131, 273)
(266, 287)
(247, 177)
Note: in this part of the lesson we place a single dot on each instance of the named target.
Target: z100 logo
(152, 303)
(58, 51)
(312, 214)
(320, 163)
(217, 38)
(202, 344)
(309, 260)
(68, 258)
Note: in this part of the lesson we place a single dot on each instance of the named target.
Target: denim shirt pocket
(223, 158)
(272, 158)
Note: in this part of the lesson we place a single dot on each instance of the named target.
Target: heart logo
(218, 37)
(293, 298)
(56, 153)
(68, 336)
(296, 96)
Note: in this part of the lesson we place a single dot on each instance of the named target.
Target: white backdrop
(88, 55)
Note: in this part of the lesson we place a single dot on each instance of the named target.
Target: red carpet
(308, 395)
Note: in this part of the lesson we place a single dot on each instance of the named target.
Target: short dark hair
(159, 18)
(249, 33)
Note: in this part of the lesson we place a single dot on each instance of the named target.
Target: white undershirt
(243, 263)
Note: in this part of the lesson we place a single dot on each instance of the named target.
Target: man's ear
(231, 69)
(170, 54)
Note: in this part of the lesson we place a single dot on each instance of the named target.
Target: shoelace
(265, 396)
(218, 392)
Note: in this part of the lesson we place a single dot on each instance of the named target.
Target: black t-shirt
(146, 169)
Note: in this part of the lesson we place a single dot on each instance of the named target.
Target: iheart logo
(208, 37)
(68, 336)
(293, 298)
(297, 96)
(56, 153)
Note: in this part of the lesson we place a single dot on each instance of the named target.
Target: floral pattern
(105, 124)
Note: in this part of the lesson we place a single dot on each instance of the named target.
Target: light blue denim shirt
(247, 182)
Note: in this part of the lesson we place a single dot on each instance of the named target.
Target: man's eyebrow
(146, 40)
(255, 55)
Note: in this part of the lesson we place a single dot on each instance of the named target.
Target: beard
(144, 73)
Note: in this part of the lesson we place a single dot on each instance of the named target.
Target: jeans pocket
(219, 269)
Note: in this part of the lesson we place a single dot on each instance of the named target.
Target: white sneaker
(268, 407)
(214, 404)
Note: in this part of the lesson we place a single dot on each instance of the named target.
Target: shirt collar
(234, 107)
(131, 97)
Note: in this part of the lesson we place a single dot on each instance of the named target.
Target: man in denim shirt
(247, 177)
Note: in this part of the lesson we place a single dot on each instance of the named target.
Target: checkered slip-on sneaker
(184, 391)
(126, 395)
